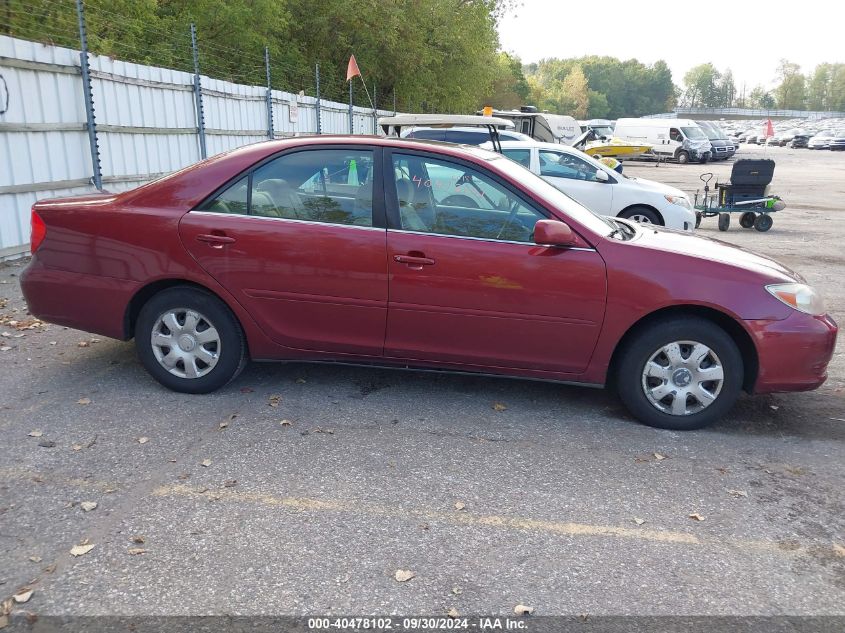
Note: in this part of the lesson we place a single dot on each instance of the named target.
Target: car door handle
(215, 241)
(413, 261)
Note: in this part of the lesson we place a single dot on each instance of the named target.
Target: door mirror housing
(553, 233)
(601, 176)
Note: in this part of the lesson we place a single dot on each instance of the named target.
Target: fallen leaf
(521, 609)
(35, 559)
(737, 493)
(206, 463)
(95, 340)
(84, 401)
(247, 389)
(773, 407)
(453, 613)
(53, 343)
(457, 591)
(23, 596)
(460, 505)
(140, 539)
(81, 550)
(275, 400)
(77, 447)
(4, 348)
(659, 457)
(49, 569)
(87, 506)
(403, 575)
(300, 381)
(4, 619)
(143, 440)
(838, 549)
(47, 443)
(639, 521)
(83, 344)
(722, 470)
(838, 419)
(134, 551)
(795, 470)
(36, 433)
(286, 423)
(696, 516)
(498, 406)
(231, 483)
(223, 424)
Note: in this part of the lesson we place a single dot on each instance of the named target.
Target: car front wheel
(680, 374)
(189, 340)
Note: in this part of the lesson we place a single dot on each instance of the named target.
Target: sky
(753, 35)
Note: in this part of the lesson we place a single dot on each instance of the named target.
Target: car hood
(713, 250)
(657, 187)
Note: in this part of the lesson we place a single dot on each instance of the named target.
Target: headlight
(799, 296)
(682, 201)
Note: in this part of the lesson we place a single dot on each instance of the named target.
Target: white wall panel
(147, 125)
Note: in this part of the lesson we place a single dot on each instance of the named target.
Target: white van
(679, 139)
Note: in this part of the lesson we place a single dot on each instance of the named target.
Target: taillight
(39, 232)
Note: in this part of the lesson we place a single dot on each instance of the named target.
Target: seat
(362, 209)
(285, 202)
(408, 216)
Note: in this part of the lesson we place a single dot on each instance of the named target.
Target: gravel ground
(554, 499)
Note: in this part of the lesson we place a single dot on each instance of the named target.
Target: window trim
(391, 198)
(379, 207)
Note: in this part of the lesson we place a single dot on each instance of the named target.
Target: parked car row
(797, 139)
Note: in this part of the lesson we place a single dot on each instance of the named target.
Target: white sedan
(602, 189)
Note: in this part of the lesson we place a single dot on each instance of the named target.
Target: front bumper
(793, 353)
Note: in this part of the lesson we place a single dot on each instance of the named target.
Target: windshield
(694, 133)
(553, 196)
(602, 130)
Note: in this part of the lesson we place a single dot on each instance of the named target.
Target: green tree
(790, 93)
(577, 92)
(510, 88)
(702, 86)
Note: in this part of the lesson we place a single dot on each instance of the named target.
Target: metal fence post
(394, 101)
(351, 127)
(89, 99)
(198, 92)
(375, 109)
(319, 116)
(270, 131)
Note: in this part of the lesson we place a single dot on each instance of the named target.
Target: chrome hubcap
(682, 378)
(185, 343)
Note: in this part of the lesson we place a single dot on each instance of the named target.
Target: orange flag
(352, 69)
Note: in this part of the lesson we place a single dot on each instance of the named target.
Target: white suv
(600, 188)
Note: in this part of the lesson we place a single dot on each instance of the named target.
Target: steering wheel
(460, 200)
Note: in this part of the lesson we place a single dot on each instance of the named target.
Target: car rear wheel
(190, 341)
(643, 215)
(680, 374)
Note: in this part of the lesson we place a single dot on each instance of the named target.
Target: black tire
(698, 218)
(746, 220)
(724, 221)
(763, 222)
(644, 212)
(683, 158)
(642, 346)
(230, 351)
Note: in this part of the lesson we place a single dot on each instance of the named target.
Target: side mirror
(601, 176)
(553, 233)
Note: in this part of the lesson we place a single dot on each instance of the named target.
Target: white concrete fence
(146, 125)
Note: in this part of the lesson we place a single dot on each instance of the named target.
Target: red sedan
(405, 253)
